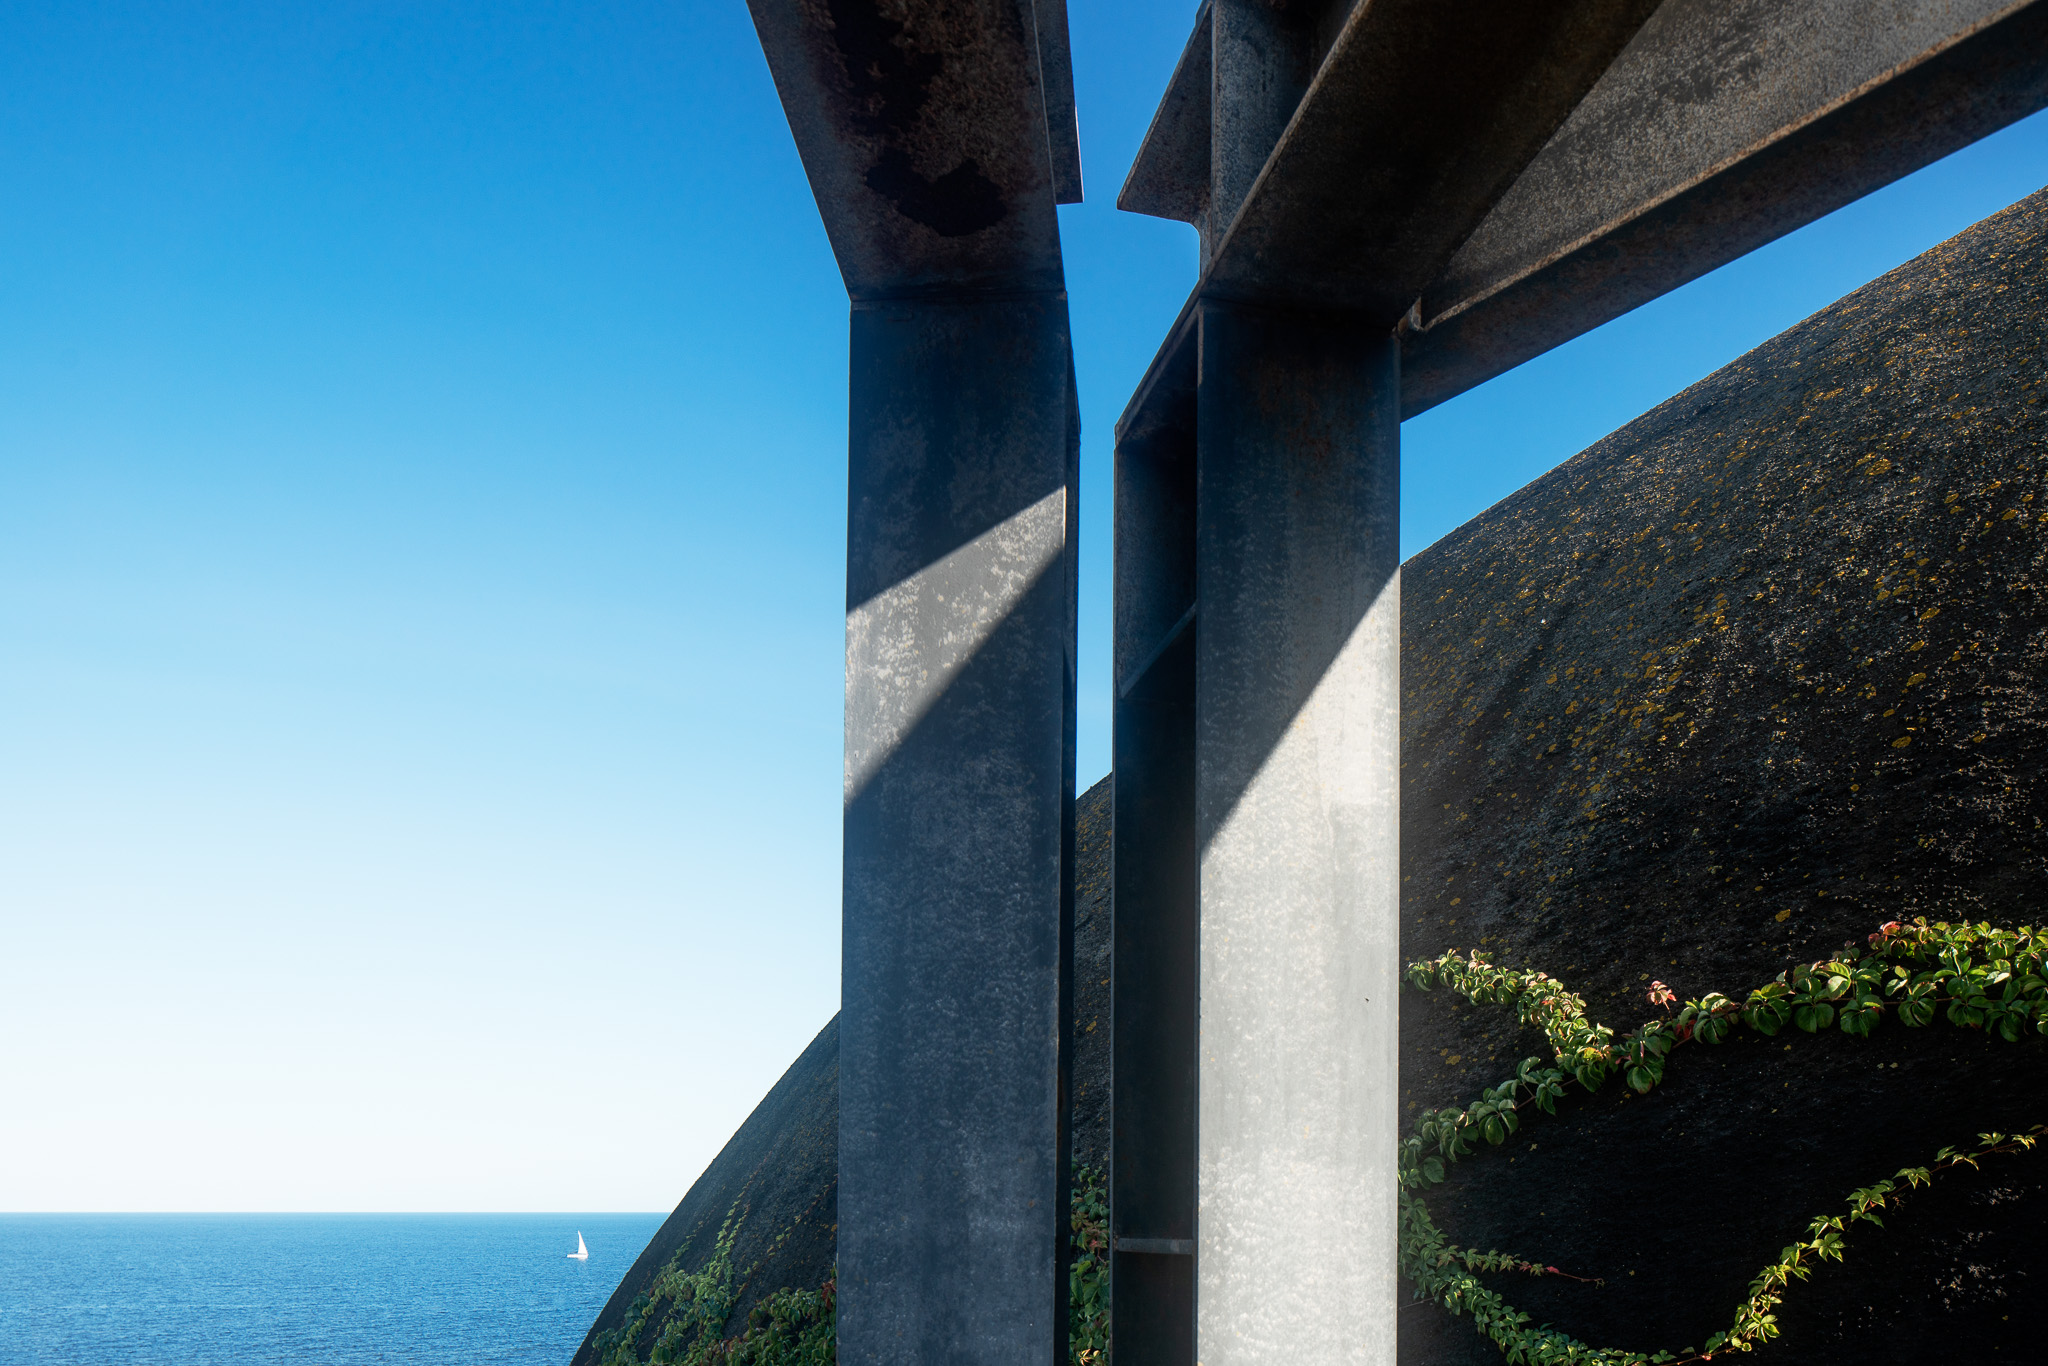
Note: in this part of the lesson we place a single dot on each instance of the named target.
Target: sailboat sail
(581, 1253)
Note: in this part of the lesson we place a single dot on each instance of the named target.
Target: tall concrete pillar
(959, 790)
(1154, 1011)
(1257, 845)
(1297, 758)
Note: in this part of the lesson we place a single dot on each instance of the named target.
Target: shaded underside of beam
(1417, 122)
(1721, 126)
(1728, 124)
(937, 137)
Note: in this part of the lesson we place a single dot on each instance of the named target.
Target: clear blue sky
(421, 475)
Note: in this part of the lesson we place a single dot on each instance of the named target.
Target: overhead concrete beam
(1416, 123)
(1719, 127)
(1169, 178)
(937, 137)
(1360, 144)
(1724, 125)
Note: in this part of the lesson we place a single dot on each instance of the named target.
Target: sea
(308, 1289)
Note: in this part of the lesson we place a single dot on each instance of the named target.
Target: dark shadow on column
(1303, 407)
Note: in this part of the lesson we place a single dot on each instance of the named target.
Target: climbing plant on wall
(1975, 976)
(799, 1327)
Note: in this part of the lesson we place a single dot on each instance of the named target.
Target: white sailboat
(582, 1253)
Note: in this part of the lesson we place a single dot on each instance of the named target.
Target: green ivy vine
(1980, 977)
(1088, 1271)
(800, 1327)
(787, 1328)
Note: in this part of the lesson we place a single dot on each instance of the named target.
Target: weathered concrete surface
(937, 136)
(960, 596)
(1092, 942)
(1723, 125)
(1750, 676)
(1296, 749)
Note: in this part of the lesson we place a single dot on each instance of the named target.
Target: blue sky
(422, 436)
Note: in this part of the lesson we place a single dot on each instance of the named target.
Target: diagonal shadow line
(1311, 679)
(949, 401)
(1298, 486)
(915, 638)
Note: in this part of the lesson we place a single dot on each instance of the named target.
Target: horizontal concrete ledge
(1173, 633)
(1161, 1247)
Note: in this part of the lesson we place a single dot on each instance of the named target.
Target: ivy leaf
(1814, 1017)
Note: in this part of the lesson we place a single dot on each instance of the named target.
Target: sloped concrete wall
(1751, 676)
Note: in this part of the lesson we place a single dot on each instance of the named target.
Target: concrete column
(959, 780)
(1297, 743)
(1154, 1010)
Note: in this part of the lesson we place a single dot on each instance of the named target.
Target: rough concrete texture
(778, 1178)
(1750, 676)
(961, 465)
(1297, 740)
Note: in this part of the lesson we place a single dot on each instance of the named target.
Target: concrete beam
(937, 136)
(1355, 147)
(1256, 837)
(1719, 127)
(1169, 178)
(1724, 125)
(959, 788)
(1418, 120)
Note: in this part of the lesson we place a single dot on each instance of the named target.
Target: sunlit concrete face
(1297, 745)
(959, 783)
(909, 643)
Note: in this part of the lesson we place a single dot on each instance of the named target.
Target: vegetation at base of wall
(788, 1328)
(800, 1327)
(1088, 1271)
(1978, 976)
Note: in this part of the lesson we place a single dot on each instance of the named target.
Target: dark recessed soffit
(937, 135)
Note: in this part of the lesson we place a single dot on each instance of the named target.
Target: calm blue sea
(308, 1289)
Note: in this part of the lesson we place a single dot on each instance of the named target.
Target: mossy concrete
(1747, 678)
(778, 1178)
